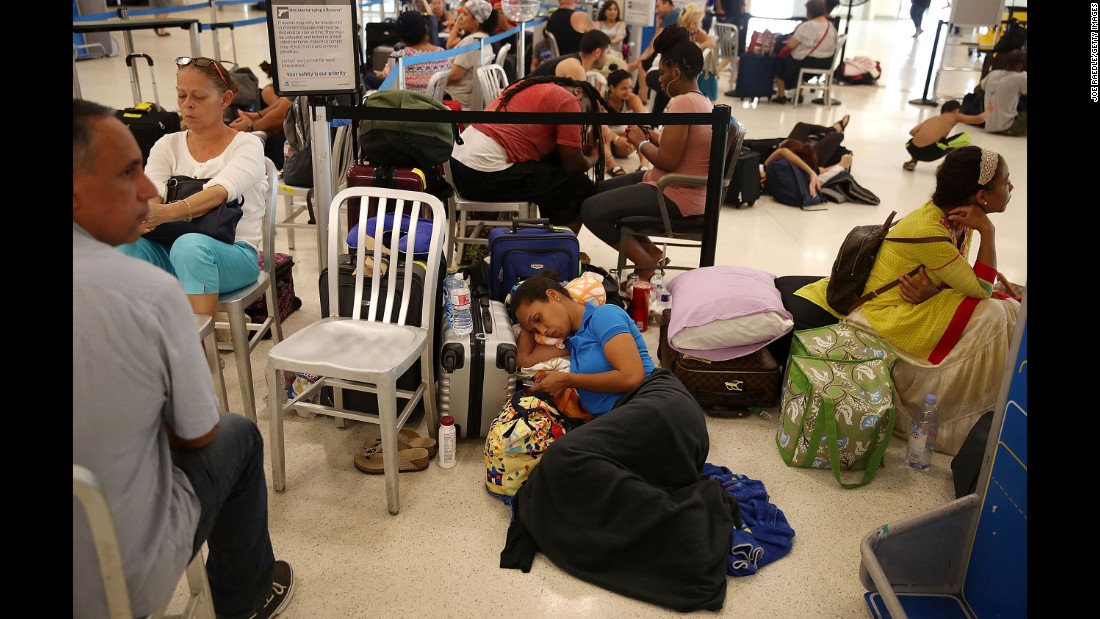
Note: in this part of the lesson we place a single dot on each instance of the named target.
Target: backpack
(854, 261)
(405, 143)
(298, 165)
(789, 184)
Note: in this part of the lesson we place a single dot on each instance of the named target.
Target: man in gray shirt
(175, 472)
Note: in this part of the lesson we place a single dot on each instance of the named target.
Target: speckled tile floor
(439, 556)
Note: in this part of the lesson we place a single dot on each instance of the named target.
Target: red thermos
(639, 305)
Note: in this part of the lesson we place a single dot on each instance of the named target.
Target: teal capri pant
(202, 264)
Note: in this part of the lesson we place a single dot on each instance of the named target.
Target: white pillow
(725, 312)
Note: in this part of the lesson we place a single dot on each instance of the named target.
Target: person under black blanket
(621, 502)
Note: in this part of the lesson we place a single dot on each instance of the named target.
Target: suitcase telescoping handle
(531, 223)
(135, 85)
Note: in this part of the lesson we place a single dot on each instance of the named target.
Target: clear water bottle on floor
(460, 299)
(922, 435)
(658, 300)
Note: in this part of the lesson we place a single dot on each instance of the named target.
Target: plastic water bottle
(461, 320)
(662, 298)
(922, 435)
(449, 284)
(447, 454)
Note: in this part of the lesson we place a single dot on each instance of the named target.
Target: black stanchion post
(720, 128)
(924, 100)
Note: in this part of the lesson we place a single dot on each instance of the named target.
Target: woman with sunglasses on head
(683, 149)
(233, 160)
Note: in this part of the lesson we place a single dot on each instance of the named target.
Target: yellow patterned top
(929, 329)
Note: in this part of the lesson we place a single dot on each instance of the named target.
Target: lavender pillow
(724, 312)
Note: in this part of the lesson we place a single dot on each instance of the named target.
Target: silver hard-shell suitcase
(477, 373)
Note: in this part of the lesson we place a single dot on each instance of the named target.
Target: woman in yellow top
(950, 329)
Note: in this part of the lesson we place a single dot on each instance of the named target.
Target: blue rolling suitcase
(754, 76)
(526, 247)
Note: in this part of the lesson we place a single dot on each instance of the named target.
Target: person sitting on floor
(949, 327)
(1006, 89)
(607, 355)
(930, 141)
(809, 156)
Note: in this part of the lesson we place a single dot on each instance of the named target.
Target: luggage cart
(967, 558)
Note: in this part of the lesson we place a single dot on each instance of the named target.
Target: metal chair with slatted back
(680, 232)
(247, 335)
(459, 224)
(97, 513)
(728, 35)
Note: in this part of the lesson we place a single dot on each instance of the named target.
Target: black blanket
(620, 502)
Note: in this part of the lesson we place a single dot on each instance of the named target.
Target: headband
(988, 168)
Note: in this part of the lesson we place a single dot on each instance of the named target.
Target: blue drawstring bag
(421, 243)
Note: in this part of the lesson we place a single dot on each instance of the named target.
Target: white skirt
(967, 382)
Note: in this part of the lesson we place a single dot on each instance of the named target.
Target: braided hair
(587, 89)
(676, 48)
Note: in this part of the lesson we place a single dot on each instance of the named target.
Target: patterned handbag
(525, 428)
(836, 414)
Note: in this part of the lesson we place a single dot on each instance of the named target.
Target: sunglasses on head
(183, 61)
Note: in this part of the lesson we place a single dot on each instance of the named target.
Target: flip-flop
(643, 168)
(843, 122)
(406, 439)
(910, 165)
(161, 32)
(617, 171)
(408, 460)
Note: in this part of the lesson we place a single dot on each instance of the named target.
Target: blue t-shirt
(673, 17)
(586, 355)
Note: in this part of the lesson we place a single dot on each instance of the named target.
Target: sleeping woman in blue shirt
(607, 355)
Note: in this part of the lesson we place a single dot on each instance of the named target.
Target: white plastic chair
(458, 221)
(437, 84)
(502, 54)
(492, 80)
(247, 335)
(824, 77)
(89, 495)
(598, 81)
(367, 353)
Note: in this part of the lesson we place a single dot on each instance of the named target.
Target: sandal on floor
(780, 100)
(617, 171)
(406, 439)
(643, 168)
(161, 32)
(415, 459)
(843, 122)
(910, 165)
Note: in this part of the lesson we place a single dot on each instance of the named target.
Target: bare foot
(846, 162)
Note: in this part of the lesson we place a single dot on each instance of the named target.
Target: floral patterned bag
(837, 414)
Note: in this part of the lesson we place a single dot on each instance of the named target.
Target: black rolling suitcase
(477, 372)
(754, 76)
(148, 121)
(745, 185)
(367, 402)
(724, 388)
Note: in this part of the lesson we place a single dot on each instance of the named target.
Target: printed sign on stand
(314, 50)
(640, 12)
